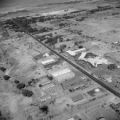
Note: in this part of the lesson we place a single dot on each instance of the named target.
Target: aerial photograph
(60, 60)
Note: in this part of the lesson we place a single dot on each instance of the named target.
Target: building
(43, 82)
(98, 61)
(63, 74)
(48, 86)
(95, 61)
(101, 118)
(75, 52)
(37, 57)
(71, 118)
(47, 61)
(77, 98)
(96, 92)
(52, 90)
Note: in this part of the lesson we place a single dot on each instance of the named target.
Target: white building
(97, 61)
(74, 52)
(71, 118)
(82, 56)
(94, 61)
(63, 74)
(48, 86)
(47, 61)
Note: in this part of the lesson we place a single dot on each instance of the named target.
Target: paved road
(81, 69)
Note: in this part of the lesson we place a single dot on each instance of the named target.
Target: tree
(20, 86)
(6, 77)
(5, 115)
(112, 66)
(3, 69)
(27, 93)
(44, 109)
(62, 47)
(50, 77)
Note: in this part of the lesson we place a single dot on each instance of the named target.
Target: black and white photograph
(59, 59)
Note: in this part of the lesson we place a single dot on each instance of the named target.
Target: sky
(6, 5)
(10, 5)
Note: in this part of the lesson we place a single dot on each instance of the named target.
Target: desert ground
(59, 60)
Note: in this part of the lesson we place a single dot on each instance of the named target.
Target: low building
(48, 86)
(43, 82)
(98, 61)
(90, 55)
(108, 78)
(45, 99)
(47, 61)
(78, 97)
(52, 90)
(75, 52)
(96, 92)
(38, 57)
(71, 118)
(95, 61)
(82, 56)
(63, 74)
(101, 118)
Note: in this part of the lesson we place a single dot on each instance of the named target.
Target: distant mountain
(10, 5)
(64, 2)
(13, 12)
(16, 6)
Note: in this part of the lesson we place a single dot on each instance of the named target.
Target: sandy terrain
(35, 84)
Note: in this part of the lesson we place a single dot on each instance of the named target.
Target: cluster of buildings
(65, 85)
(92, 58)
(59, 83)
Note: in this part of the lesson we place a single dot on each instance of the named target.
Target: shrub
(112, 66)
(27, 93)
